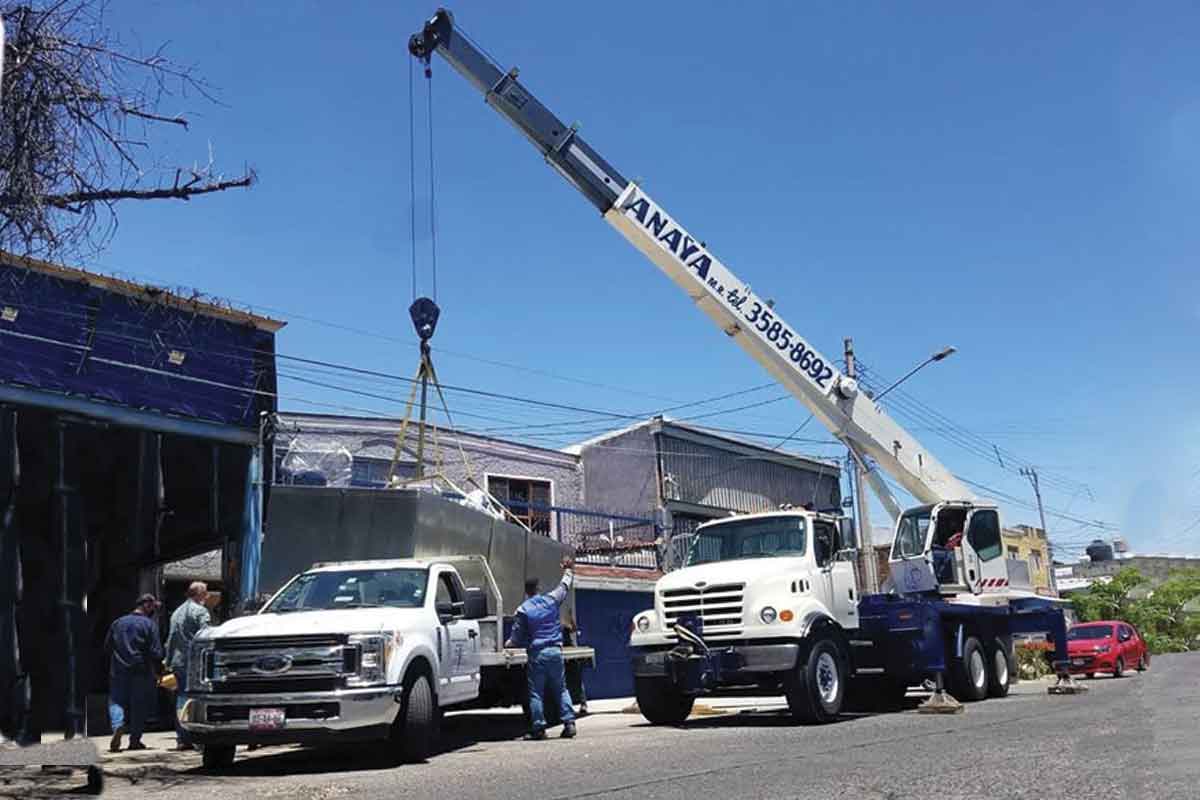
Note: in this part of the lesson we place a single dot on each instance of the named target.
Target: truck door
(982, 548)
(837, 576)
(458, 642)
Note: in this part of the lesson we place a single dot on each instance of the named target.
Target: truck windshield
(359, 588)
(1090, 632)
(753, 538)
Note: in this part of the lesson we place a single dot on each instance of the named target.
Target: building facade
(1029, 544)
(682, 476)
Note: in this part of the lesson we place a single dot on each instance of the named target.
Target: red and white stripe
(993, 584)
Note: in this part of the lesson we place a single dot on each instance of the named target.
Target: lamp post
(940, 355)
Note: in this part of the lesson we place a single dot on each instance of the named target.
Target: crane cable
(412, 178)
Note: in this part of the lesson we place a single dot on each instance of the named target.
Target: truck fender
(816, 621)
(420, 652)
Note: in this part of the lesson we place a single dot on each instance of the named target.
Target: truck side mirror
(476, 605)
(445, 610)
(847, 536)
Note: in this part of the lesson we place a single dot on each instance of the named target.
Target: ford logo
(272, 664)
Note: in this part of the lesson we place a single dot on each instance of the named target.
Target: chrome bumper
(758, 658)
(344, 715)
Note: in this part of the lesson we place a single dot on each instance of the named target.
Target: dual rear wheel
(984, 670)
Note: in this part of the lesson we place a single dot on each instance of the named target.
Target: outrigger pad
(1066, 685)
(940, 703)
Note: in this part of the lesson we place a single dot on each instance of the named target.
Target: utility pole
(866, 552)
(1031, 474)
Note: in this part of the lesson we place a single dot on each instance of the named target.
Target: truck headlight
(767, 615)
(374, 653)
(643, 624)
(200, 667)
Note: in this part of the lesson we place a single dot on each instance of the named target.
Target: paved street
(1130, 738)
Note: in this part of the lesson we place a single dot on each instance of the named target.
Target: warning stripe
(993, 583)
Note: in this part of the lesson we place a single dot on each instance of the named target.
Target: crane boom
(833, 398)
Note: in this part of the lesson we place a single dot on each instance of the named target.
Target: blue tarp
(71, 337)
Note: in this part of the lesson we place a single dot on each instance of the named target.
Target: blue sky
(1018, 182)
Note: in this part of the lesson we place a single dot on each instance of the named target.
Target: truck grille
(270, 664)
(719, 607)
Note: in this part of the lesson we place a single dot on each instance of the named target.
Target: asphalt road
(1137, 737)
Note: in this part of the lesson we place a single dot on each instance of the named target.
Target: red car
(1106, 646)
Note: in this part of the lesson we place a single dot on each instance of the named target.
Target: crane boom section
(752, 322)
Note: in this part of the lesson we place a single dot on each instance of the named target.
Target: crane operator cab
(950, 548)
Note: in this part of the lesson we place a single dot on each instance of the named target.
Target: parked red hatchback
(1107, 646)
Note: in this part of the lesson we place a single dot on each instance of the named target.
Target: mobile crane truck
(771, 599)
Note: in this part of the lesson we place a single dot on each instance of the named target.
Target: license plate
(1077, 662)
(266, 719)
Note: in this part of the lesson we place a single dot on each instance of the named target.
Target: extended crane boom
(752, 322)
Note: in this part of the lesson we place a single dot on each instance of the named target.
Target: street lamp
(940, 355)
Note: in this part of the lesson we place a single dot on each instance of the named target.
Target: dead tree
(77, 109)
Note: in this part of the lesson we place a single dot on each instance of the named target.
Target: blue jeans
(547, 682)
(181, 736)
(129, 697)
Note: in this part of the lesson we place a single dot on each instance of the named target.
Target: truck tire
(415, 731)
(660, 702)
(816, 687)
(1003, 668)
(95, 780)
(970, 673)
(217, 756)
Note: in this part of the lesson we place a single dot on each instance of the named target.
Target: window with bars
(528, 499)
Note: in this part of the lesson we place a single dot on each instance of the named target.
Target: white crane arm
(752, 322)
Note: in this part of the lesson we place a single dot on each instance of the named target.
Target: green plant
(1033, 659)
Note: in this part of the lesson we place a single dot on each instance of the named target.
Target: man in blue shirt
(538, 629)
(136, 656)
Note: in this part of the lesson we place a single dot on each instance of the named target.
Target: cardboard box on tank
(307, 524)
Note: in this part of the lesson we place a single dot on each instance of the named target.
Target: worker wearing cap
(136, 655)
(538, 629)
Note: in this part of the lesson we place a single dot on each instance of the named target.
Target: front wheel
(95, 780)
(415, 731)
(219, 756)
(660, 702)
(1119, 668)
(816, 687)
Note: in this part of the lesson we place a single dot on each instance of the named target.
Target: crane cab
(950, 548)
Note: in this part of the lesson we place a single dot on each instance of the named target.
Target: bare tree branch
(76, 115)
(185, 192)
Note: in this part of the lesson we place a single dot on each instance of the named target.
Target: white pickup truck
(355, 651)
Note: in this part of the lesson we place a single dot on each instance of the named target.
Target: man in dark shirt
(136, 655)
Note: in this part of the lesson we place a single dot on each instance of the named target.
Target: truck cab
(755, 594)
(955, 549)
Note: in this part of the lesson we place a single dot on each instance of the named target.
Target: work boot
(114, 744)
(535, 736)
(568, 731)
(137, 746)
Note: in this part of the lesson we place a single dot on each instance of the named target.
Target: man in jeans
(188, 620)
(136, 657)
(538, 629)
